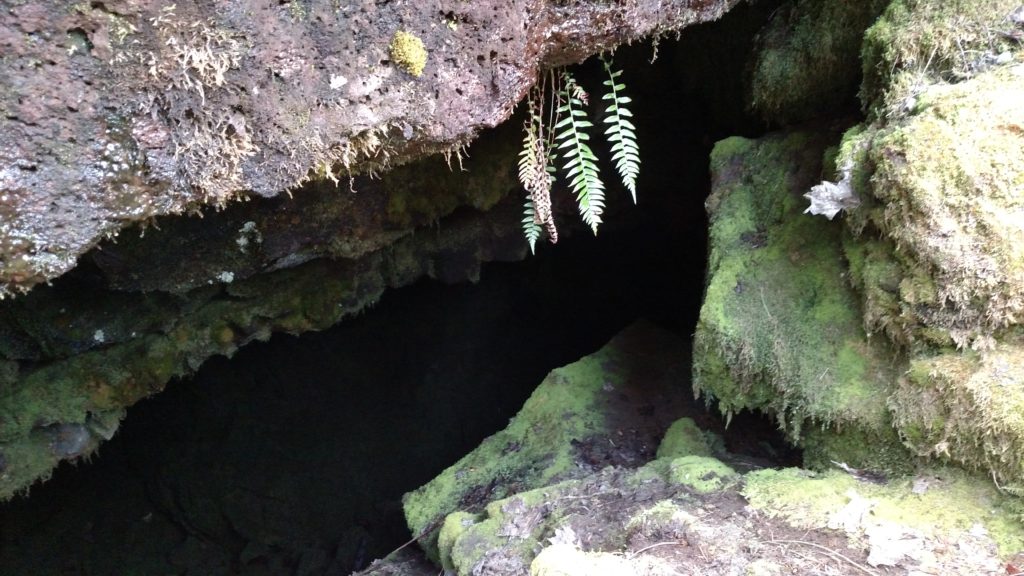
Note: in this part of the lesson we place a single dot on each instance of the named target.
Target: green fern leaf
(621, 132)
(580, 162)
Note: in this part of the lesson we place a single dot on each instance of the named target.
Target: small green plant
(556, 129)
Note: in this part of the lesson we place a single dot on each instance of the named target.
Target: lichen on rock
(408, 52)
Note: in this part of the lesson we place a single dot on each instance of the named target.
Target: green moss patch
(780, 329)
(968, 407)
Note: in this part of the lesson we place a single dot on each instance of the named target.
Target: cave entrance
(292, 457)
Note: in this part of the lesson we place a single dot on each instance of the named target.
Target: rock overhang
(116, 113)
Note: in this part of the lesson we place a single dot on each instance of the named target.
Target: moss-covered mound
(780, 329)
(609, 408)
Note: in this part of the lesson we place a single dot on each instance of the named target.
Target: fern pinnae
(621, 132)
(580, 162)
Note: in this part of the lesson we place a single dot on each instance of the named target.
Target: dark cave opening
(292, 456)
(295, 453)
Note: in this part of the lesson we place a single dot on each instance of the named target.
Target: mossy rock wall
(936, 248)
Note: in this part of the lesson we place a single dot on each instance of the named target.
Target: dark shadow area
(292, 457)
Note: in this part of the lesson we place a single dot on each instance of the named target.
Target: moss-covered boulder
(944, 191)
(609, 408)
(780, 329)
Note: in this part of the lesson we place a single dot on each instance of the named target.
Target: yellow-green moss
(952, 503)
(701, 473)
(408, 52)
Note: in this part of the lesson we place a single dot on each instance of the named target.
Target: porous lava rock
(116, 112)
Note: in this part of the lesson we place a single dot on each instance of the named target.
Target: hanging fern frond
(535, 176)
(564, 130)
(621, 132)
(580, 162)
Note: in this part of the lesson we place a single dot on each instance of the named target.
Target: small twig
(765, 304)
(655, 545)
(828, 551)
(816, 561)
(703, 554)
(430, 528)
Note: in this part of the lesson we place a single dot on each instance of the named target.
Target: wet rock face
(117, 112)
